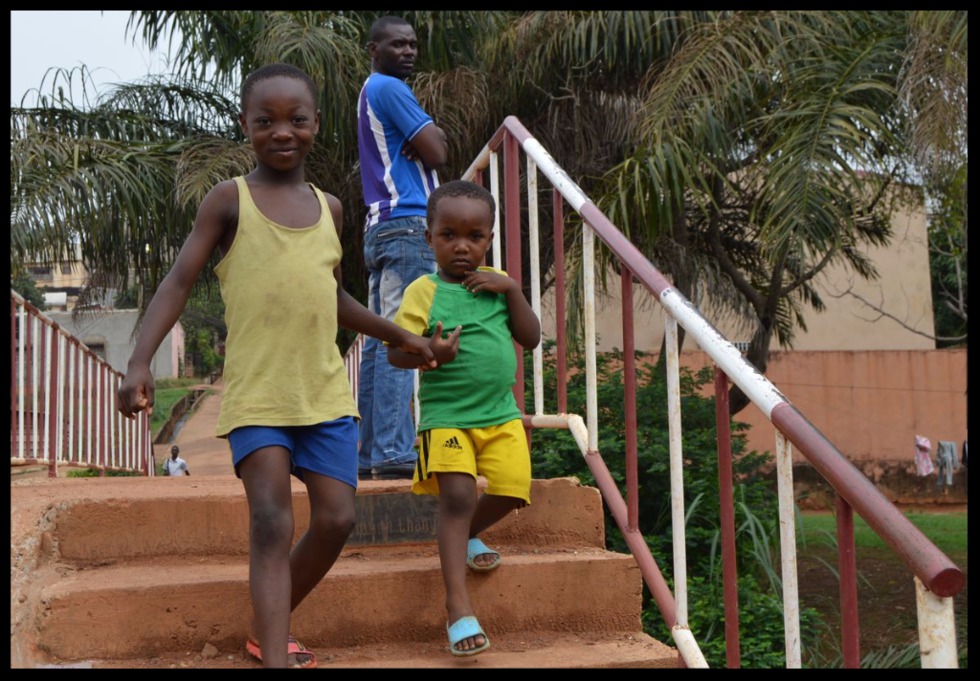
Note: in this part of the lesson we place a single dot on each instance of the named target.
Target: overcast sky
(40, 40)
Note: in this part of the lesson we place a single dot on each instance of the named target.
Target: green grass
(947, 530)
(94, 473)
(169, 391)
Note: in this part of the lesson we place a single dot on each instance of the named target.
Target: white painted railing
(63, 401)
(936, 578)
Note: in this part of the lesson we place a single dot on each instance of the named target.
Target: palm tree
(741, 151)
(123, 172)
(755, 147)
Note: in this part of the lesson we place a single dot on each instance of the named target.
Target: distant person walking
(175, 465)
(400, 149)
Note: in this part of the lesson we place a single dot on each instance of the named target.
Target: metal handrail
(938, 578)
(62, 401)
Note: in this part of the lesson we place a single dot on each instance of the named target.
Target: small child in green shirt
(469, 421)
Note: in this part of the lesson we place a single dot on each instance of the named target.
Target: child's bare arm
(443, 349)
(524, 324)
(136, 392)
(351, 314)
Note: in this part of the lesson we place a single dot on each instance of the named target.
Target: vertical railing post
(560, 342)
(787, 550)
(937, 629)
(847, 569)
(675, 438)
(35, 346)
(629, 401)
(534, 259)
(14, 351)
(495, 190)
(50, 393)
(727, 500)
(60, 383)
(512, 243)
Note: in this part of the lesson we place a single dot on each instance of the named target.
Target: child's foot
(480, 557)
(466, 637)
(298, 656)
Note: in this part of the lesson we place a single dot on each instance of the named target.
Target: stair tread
(176, 571)
(149, 598)
(533, 649)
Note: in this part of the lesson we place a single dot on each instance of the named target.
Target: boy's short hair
(458, 188)
(273, 71)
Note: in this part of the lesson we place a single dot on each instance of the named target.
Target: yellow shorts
(498, 453)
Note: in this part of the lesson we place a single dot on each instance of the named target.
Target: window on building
(41, 273)
(97, 348)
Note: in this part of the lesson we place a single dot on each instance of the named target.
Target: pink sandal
(295, 648)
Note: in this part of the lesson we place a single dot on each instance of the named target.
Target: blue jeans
(396, 254)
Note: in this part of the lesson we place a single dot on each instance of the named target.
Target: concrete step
(526, 650)
(149, 573)
(150, 608)
(149, 517)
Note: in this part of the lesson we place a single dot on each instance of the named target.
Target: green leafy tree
(745, 151)
(741, 151)
(948, 259)
(23, 283)
(204, 327)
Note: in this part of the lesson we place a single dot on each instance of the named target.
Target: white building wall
(113, 331)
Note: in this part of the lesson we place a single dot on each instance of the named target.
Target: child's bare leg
(331, 522)
(490, 509)
(265, 474)
(457, 503)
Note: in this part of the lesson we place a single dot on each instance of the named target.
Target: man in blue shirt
(401, 149)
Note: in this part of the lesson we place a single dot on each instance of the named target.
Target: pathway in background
(204, 452)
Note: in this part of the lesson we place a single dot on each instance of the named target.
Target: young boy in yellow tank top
(287, 408)
(469, 421)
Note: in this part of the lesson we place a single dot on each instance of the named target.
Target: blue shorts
(328, 448)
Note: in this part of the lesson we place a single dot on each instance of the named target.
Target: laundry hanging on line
(947, 463)
(923, 458)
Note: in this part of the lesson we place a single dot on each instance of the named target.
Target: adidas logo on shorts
(452, 443)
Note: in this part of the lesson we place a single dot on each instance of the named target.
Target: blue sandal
(474, 548)
(462, 629)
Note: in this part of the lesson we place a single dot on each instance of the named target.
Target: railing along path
(63, 402)
(936, 578)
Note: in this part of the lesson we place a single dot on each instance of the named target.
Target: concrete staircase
(153, 573)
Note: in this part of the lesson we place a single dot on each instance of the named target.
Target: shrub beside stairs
(153, 573)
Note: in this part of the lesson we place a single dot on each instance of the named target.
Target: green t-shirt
(475, 390)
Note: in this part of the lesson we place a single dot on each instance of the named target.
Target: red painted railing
(63, 402)
(936, 578)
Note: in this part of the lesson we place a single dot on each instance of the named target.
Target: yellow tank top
(282, 363)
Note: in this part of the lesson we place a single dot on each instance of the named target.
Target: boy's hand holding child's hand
(444, 349)
(417, 345)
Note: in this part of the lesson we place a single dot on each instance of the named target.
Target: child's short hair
(458, 188)
(272, 71)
